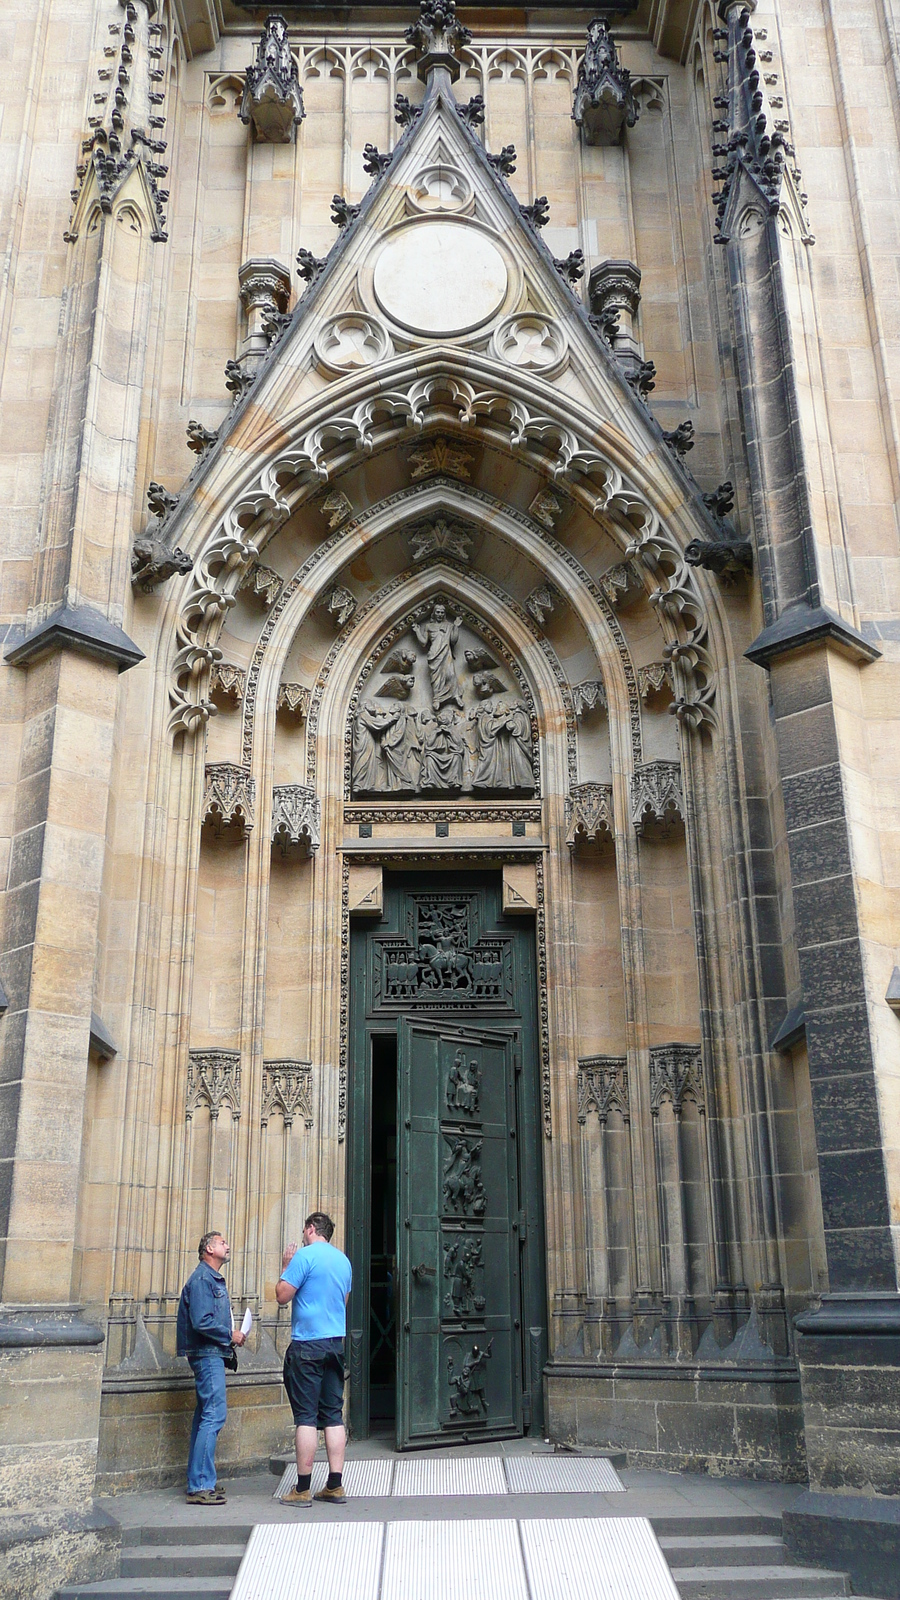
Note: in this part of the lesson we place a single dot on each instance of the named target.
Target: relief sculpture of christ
(438, 636)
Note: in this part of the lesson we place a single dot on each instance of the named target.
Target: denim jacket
(204, 1313)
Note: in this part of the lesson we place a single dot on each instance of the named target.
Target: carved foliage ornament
(287, 1090)
(676, 1074)
(603, 1087)
(589, 814)
(229, 797)
(213, 1080)
(296, 817)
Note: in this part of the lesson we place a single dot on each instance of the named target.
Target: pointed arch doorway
(447, 1324)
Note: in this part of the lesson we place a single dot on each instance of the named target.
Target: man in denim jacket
(206, 1336)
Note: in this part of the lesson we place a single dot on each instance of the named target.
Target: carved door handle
(421, 1272)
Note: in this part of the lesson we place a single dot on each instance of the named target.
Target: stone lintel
(800, 626)
(856, 1534)
(79, 628)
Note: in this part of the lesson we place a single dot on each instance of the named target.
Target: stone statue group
(400, 750)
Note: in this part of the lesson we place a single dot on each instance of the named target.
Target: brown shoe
(206, 1497)
(335, 1497)
(297, 1497)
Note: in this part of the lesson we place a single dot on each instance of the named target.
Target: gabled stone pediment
(439, 260)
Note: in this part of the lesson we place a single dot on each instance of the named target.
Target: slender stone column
(805, 647)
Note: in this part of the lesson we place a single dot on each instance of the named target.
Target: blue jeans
(209, 1418)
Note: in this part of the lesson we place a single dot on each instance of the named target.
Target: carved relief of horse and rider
(450, 729)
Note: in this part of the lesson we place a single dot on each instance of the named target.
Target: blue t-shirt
(321, 1275)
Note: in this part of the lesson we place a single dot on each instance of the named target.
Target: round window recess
(439, 278)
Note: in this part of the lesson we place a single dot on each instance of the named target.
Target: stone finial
(265, 289)
(437, 37)
(614, 295)
(272, 98)
(604, 102)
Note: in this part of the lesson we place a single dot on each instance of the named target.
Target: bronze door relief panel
(449, 984)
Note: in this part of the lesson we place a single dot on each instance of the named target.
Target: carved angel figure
(438, 637)
(504, 758)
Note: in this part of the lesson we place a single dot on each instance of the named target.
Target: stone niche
(443, 711)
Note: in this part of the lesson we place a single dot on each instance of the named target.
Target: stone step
(758, 1583)
(213, 1532)
(182, 1560)
(723, 1550)
(150, 1589)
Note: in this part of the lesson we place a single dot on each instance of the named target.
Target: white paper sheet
(247, 1323)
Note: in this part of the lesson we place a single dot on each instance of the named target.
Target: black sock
(304, 1479)
(334, 1480)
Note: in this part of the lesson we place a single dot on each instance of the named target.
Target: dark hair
(322, 1223)
(204, 1244)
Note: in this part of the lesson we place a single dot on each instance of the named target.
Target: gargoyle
(153, 561)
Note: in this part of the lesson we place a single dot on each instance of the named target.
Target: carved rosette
(287, 1091)
(296, 818)
(272, 98)
(656, 796)
(213, 1080)
(604, 101)
(589, 814)
(603, 1087)
(229, 797)
(532, 342)
(676, 1074)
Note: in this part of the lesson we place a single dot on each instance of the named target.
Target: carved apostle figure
(443, 751)
(438, 636)
(385, 742)
(504, 747)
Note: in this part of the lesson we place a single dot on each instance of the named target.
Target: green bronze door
(457, 1248)
(447, 1326)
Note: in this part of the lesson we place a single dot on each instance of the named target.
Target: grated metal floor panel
(318, 1562)
(561, 1475)
(360, 1478)
(609, 1558)
(469, 1475)
(453, 1561)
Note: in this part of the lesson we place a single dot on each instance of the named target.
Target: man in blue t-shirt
(315, 1282)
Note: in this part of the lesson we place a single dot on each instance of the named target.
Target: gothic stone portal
(441, 714)
(445, 1204)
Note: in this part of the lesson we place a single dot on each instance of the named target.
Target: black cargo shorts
(314, 1380)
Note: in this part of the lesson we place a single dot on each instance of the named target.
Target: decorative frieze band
(213, 1080)
(589, 814)
(296, 817)
(287, 1089)
(656, 795)
(603, 1087)
(676, 1074)
(229, 797)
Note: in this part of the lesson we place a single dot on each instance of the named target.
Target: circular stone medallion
(440, 277)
